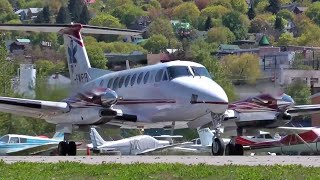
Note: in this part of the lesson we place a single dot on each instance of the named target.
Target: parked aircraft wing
(57, 27)
(34, 150)
(32, 108)
(304, 110)
(163, 147)
(300, 129)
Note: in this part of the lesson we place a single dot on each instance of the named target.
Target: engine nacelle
(109, 98)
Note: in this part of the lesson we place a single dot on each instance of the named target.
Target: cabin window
(101, 83)
(110, 83)
(133, 79)
(23, 140)
(115, 83)
(200, 71)
(121, 81)
(159, 75)
(139, 78)
(14, 140)
(178, 71)
(4, 139)
(165, 76)
(126, 82)
(146, 77)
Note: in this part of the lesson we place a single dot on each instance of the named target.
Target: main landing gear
(67, 147)
(218, 147)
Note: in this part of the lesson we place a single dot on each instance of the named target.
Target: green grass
(78, 171)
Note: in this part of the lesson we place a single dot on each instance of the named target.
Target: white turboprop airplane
(150, 96)
(135, 145)
(15, 144)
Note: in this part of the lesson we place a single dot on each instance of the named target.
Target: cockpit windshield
(287, 98)
(4, 139)
(200, 71)
(178, 71)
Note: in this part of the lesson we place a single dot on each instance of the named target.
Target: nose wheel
(217, 147)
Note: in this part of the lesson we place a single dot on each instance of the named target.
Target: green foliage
(46, 14)
(6, 12)
(313, 12)
(278, 24)
(221, 35)
(243, 68)
(156, 43)
(121, 47)
(286, 14)
(188, 12)
(237, 23)
(75, 7)
(85, 16)
(170, 3)
(258, 25)
(47, 68)
(215, 11)
(274, 6)
(208, 24)
(96, 57)
(251, 13)
(299, 91)
(239, 5)
(285, 39)
(127, 13)
(63, 16)
(106, 20)
(161, 26)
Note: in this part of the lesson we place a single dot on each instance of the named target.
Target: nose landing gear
(67, 147)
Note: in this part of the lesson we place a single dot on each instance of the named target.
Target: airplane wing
(32, 108)
(162, 148)
(57, 27)
(34, 150)
(300, 129)
(304, 110)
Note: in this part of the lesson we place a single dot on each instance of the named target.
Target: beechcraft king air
(150, 96)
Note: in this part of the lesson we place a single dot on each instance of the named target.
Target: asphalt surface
(189, 160)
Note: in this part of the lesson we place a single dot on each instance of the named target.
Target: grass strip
(79, 171)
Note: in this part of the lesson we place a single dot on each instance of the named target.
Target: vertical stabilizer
(78, 61)
(206, 136)
(96, 139)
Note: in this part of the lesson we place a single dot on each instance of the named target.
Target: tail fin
(206, 136)
(96, 139)
(78, 61)
(58, 136)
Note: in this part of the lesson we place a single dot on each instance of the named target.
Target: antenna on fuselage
(127, 64)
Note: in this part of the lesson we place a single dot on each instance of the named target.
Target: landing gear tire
(217, 147)
(238, 149)
(72, 149)
(62, 148)
(230, 150)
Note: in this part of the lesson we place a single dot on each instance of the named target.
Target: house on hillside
(22, 13)
(18, 46)
(33, 12)
(141, 23)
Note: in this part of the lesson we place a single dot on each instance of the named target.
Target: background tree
(243, 68)
(75, 8)
(237, 23)
(221, 35)
(96, 56)
(63, 16)
(156, 43)
(274, 6)
(239, 5)
(215, 11)
(285, 39)
(313, 12)
(106, 20)
(251, 13)
(161, 26)
(208, 24)
(278, 24)
(286, 14)
(127, 13)
(46, 14)
(201, 4)
(258, 25)
(187, 11)
(85, 16)
(299, 91)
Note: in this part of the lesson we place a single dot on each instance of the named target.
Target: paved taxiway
(222, 160)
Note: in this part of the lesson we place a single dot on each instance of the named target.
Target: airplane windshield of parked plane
(200, 71)
(178, 71)
(4, 139)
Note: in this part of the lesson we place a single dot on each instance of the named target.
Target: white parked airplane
(150, 96)
(134, 145)
(15, 144)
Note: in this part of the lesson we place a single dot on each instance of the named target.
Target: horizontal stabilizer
(58, 27)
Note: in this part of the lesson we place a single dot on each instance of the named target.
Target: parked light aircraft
(264, 111)
(151, 96)
(307, 142)
(135, 145)
(14, 144)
